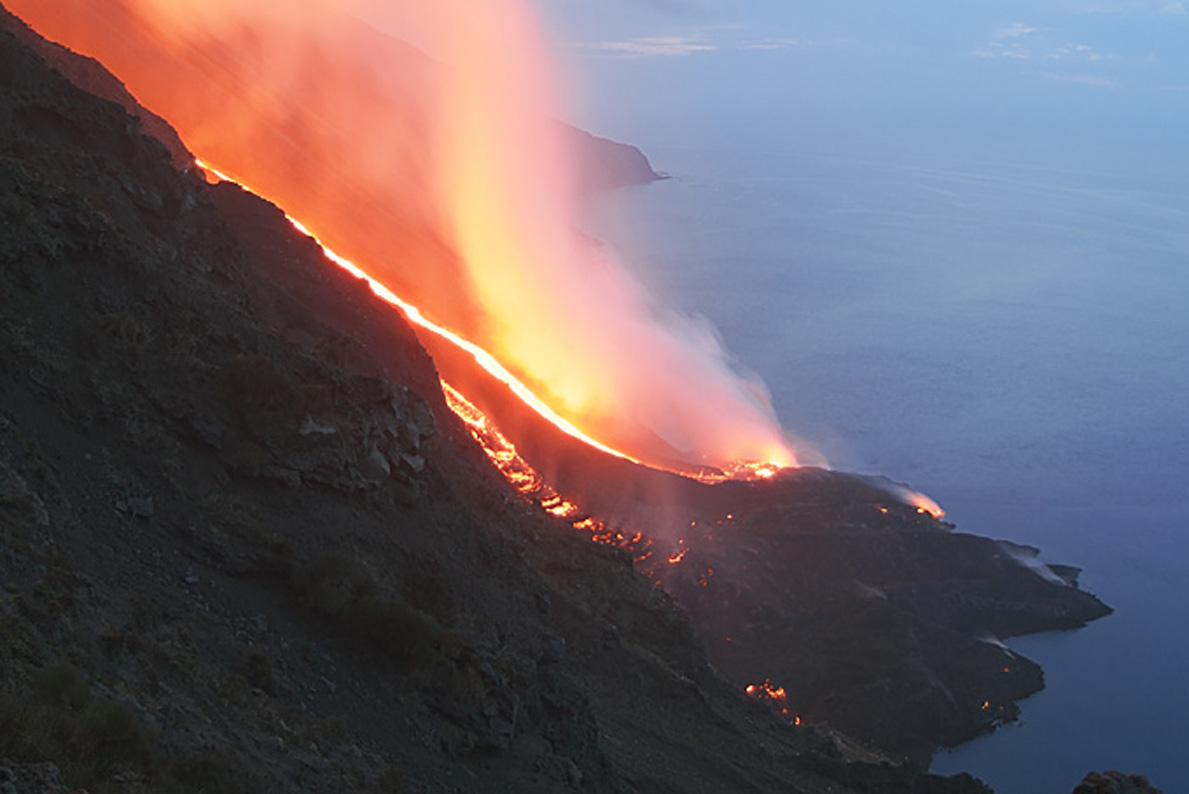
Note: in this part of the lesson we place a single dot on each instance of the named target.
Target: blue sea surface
(1011, 339)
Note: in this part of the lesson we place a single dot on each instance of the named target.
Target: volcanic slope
(245, 546)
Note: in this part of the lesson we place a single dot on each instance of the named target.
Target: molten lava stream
(496, 370)
(525, 479)
(487, 361)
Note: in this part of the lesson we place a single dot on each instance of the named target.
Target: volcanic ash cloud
(447, 180)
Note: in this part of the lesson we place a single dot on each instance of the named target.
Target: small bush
(257, 670)
(391, 780)
(109, 734)
(426, 592)
(61, 686)
(325, 584)
(331, 587)
(86, 737)
(206, 773)
(253, 392)
(405, 634)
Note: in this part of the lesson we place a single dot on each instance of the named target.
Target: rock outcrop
(1112, 782)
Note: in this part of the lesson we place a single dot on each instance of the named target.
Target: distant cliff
(605, 164)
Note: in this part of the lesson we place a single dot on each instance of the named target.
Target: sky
(1057, 78)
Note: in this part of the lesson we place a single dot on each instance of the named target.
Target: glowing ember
(921, 503)
(775, 695)
(925, 505)
(678, 556)
(525, 479)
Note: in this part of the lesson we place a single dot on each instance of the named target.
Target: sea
(1010, 337)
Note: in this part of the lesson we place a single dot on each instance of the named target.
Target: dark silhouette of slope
(245, 547)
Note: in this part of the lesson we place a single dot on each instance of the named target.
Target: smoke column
(448, 181)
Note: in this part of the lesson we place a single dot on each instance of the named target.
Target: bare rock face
(1113, 782)
(32, 779)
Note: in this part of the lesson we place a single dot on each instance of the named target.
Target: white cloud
(1081, 51)
(777, 44)
(1084, 79)
(1010, 41)
(705, 39)
(651, 46)
(1023, 42)
(1014, 31)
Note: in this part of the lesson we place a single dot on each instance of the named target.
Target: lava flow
(443, 184)
(449, 183)
(772, 693)
(528, 482)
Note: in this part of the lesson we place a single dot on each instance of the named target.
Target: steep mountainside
(244, 545)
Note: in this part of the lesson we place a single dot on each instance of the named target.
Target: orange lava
(678, 556)
(768, 691)
(446, 180)
(925, 505)
(529, 484)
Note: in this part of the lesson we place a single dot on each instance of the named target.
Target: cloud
(777, 44)
(1084, 79)
(652, 46)
(1023, 42)
(1015, 31)
(1081, 51)
(1010, 41)
(702, 38)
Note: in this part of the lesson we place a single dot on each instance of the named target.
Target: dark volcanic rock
(1112, 782)
(315, 581)
(877, 619)
(89, 74)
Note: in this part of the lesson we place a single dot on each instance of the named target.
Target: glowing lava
(775, 695)
(925, 505)
(529, 484)
(449, 184)
(446, 185)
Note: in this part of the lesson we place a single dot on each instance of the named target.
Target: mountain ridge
(247, 546)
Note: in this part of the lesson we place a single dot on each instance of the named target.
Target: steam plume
(448, 182)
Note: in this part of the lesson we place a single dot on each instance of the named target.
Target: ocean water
(1012, 340)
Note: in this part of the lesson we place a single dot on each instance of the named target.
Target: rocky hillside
(244, 546)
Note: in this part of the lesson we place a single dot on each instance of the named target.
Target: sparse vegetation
(86, 737)
(332, 586)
